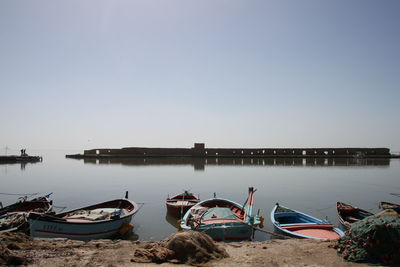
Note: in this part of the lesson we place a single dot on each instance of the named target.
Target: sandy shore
(63, 252)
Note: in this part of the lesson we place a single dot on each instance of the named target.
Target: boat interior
(293, 218)
(316, 231)
(95, 215)
(350, 213)
(216, 211)
(103, 211)
(37, 206)
(184, 197)
(238, 212)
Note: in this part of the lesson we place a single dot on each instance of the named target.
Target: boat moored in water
(103, 220)
(179, 204)
(297, 224)
(388, 205)
(223, 219)
(349, 214)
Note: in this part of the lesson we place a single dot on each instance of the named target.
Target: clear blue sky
(85, 74)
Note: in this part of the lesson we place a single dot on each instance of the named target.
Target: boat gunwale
(58, 217)
(185, 217)
(178, 197)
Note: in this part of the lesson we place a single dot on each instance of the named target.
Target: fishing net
(374, 239)
(12, 220)
(9, 242)
(189, 247)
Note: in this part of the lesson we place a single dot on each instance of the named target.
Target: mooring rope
(23, 194)
(60, 207)
(272, 233)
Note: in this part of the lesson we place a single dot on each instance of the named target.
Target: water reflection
(172, 220)
(200, 163)
(131, 235)
(22, 164)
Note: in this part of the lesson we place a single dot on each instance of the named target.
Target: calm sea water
(305, 185)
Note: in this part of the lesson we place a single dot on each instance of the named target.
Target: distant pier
(200, 151)
(14, 158)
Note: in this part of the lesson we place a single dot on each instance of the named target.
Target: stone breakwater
(199, 150)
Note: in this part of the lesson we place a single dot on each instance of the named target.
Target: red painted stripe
(76, 234)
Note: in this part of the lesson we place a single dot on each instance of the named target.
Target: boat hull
(78, 231)
(228, 231)
(177, 211)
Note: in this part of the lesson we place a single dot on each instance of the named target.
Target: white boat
(99, 221)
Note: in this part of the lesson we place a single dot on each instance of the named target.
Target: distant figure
(22, 152)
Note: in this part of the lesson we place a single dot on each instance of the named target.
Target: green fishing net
(375, 239)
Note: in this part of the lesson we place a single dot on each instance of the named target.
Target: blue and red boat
(223, 219)
(297, 224)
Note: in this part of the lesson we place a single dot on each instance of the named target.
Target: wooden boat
(103, 220)
(14, 217)
(348, 214)
(297, 224)
(222, 219)
(178, 205)
(387, 205)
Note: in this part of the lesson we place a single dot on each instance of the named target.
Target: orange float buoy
(261, 225)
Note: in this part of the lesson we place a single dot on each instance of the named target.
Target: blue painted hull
(227, 231)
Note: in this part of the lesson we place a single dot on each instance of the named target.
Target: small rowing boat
(349, 214)
(178, 205)
(223, 219)
(387, 205)
(15, 217)
(103, 220)
(297, 224)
